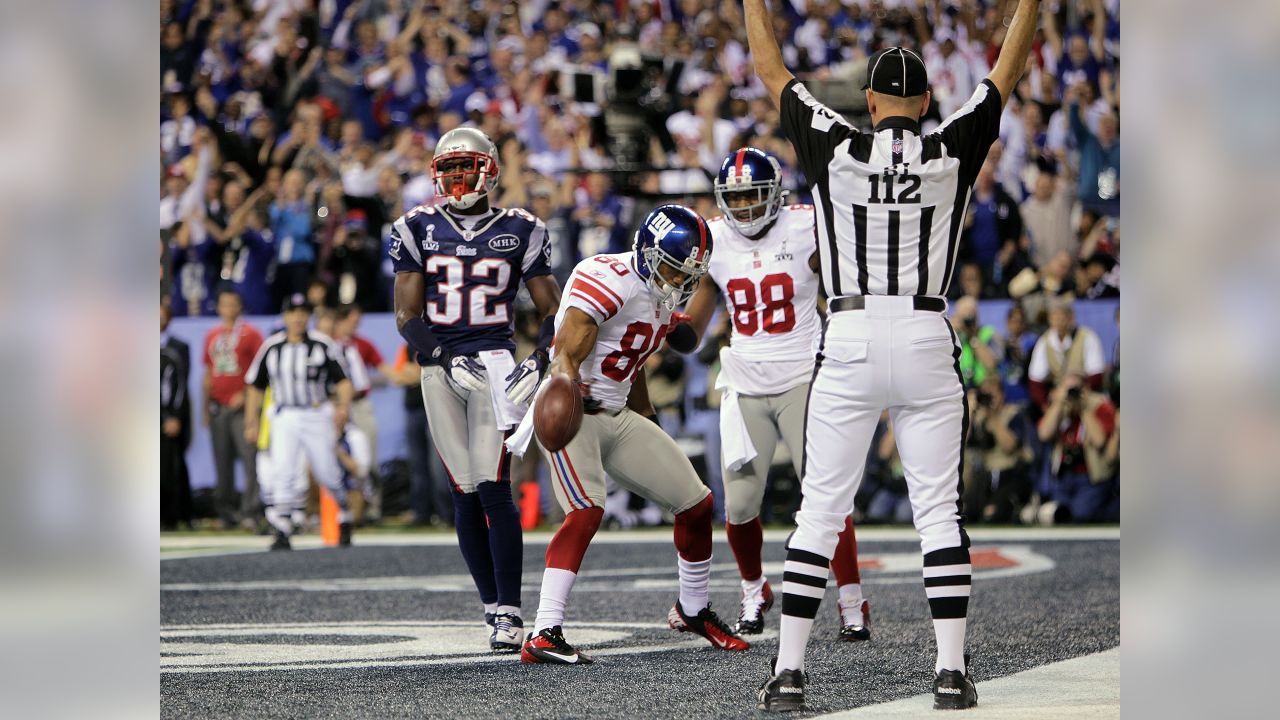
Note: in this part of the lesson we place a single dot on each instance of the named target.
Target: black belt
(859, 302)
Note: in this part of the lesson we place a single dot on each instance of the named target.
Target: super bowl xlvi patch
(504, 243)
(429, 243)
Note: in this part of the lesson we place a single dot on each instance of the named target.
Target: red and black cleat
(707, 624)
(549, 646)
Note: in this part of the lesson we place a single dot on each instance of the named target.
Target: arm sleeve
(969, 132)
(591, 292)
(813, 129)
(404, 253)
(537, 255)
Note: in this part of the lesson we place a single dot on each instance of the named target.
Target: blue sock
(473, 541)
(506, 540)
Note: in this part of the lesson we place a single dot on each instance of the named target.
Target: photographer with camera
(997, 480)
(978, 344)
(1081, 423)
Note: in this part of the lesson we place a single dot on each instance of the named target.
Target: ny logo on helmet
(661, 226)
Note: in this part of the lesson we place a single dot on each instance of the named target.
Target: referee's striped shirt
(300, 374)
(889, 204)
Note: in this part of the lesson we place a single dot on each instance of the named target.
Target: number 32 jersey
(473, 270)
(632, 326)
(772, 297)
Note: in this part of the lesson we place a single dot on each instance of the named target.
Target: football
(557, 413)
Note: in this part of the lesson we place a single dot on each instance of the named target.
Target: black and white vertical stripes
(300, 374)
(948, 576)
(804, 581)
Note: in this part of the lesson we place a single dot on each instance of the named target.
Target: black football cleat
(281, 542)
(954, 690)
(754, 606)
(783, 692)
(344, 534)
(549, 646)
(855, 621)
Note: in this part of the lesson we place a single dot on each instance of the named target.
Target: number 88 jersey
(631, 324)
(772, 297)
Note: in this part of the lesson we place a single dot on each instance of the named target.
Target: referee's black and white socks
(804, 580)
(947, 579)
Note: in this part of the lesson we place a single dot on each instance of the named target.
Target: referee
(304, 371)
(889, 206)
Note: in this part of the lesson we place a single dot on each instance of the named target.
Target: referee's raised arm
(765, 54)
(1012, 61)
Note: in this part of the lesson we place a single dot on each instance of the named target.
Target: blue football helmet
(754, 174)
(675, 236)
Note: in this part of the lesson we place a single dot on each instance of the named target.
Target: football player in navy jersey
(458, 268)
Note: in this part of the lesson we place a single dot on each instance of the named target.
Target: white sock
(556, 584)
(508, 610)
(344, 516)
(851, 593)
(950, 635)
(279, 519)
(490, 608)
(694, 578)
(753, 587)
(793, 636)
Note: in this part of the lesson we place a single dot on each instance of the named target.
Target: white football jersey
(632, 325)
(772, 297)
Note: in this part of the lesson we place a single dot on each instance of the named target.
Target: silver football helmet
(464, 154)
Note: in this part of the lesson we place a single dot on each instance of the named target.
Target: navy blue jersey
(472, 276)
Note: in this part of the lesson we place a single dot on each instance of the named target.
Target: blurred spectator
(1047, 214)
(600, 218)
(1038, 291)
(979, 346)
(999, 456)
(1099, 277)
(1018, 342)
(175, 427)
(241, 254)
(1080, 424)
(1064, 349)
(229, 349)
(355, 264)
(291, 226)
(993, 232)
(1099, 159)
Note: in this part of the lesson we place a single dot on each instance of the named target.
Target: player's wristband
(419, 336)
(547, 333)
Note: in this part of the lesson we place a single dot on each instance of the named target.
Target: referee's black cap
(295, 301)
(896, 71)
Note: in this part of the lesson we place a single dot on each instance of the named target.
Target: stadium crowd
(293, 132)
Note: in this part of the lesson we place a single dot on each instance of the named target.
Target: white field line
(1083, 687)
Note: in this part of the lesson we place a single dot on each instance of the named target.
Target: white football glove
(466, 372)
(523, 381)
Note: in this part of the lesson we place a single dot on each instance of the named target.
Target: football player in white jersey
(616, 311)
(765, 266)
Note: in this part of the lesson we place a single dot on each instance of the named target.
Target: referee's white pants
(298, 435)
(888, 356)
